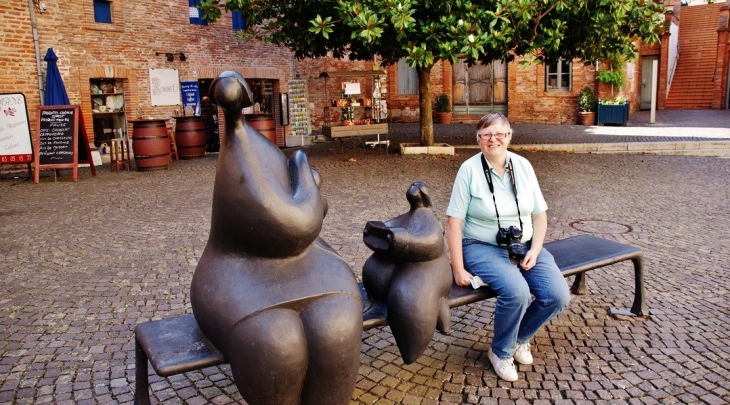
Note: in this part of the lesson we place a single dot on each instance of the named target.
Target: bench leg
(141, 384)
(639, 306)
(579, 284)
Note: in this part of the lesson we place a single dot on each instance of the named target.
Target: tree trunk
(424, 104)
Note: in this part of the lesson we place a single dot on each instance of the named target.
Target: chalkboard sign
(56, 139)
(58, 132)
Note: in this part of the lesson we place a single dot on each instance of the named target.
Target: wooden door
(479, 89)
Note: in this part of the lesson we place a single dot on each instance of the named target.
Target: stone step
(684, 148)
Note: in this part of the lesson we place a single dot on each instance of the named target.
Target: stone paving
(82, 263)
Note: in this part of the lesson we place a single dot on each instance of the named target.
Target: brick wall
(126, 49)
(17, 55)
(402, 108)
(530, 103)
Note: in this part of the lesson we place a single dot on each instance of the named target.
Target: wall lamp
(171, 56)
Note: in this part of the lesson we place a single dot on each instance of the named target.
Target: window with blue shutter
(239, 23)
(195, 13)
(103, 11)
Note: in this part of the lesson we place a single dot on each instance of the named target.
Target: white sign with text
(15, 140)
(164, 87)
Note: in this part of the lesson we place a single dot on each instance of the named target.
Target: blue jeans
(517, 317)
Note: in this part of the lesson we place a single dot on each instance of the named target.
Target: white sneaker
(505, 369)
(523, 354)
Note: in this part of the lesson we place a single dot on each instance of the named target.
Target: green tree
(426, 31)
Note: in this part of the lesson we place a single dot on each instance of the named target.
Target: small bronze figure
(409, 270)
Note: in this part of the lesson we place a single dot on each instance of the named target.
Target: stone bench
(177, 345)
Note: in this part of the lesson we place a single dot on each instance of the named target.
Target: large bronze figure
(280, 304)
(409, 270)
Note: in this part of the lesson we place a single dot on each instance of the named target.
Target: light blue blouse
(472, 201)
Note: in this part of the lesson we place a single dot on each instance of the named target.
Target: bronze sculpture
(409, 270)
(280, 304)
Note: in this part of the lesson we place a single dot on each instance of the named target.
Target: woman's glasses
(498, 135)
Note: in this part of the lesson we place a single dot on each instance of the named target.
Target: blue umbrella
(55, 90)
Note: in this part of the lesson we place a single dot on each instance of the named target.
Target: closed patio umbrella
(56, 95)
(55, 90)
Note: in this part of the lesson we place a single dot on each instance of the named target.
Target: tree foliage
(426, 31)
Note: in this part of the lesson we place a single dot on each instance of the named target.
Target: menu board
(58, 131)
(15, 139)
(56, 139)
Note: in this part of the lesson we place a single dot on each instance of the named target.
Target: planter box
(417, 149)
(613, 114)
(340, 131)
(292, 141)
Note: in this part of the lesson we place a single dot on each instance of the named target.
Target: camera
(512, 238)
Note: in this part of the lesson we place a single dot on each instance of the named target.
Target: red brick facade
(126, 49)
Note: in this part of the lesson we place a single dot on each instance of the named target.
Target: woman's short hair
(490, 119)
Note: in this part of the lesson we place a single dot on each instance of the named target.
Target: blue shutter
(239, 23)
(196, 20)
(103, 11)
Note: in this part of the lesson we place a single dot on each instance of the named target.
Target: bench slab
(177, 345)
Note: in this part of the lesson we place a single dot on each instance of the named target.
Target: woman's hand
(529, 260)
(462, 277)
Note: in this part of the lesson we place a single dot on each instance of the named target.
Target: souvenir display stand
(359, 116)
(298, 113)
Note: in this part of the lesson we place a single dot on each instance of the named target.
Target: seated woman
(497, 223)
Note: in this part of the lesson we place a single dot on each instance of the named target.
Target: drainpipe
(727, 89)
(31, 8)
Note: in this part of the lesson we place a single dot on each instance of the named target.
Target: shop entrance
(209, 112)
(261, 115)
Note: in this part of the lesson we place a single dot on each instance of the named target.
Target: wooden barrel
(190, 137)
(151, 145)
(264, 123)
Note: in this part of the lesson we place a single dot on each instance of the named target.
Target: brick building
(140, 36)
(116, 43)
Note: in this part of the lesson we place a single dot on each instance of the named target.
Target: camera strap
(488, 176)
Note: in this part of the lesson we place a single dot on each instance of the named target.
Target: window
(103, 11)
(407, 78)
(103, 15)
(558, 76)
(239, 23)
(195, 13)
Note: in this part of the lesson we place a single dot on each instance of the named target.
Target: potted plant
(587, 104)
(443, 109)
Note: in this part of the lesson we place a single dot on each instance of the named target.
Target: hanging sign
(191, 97)
(15, 138)
(164, 87)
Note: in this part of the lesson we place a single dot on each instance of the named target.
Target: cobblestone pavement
(82, 263)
